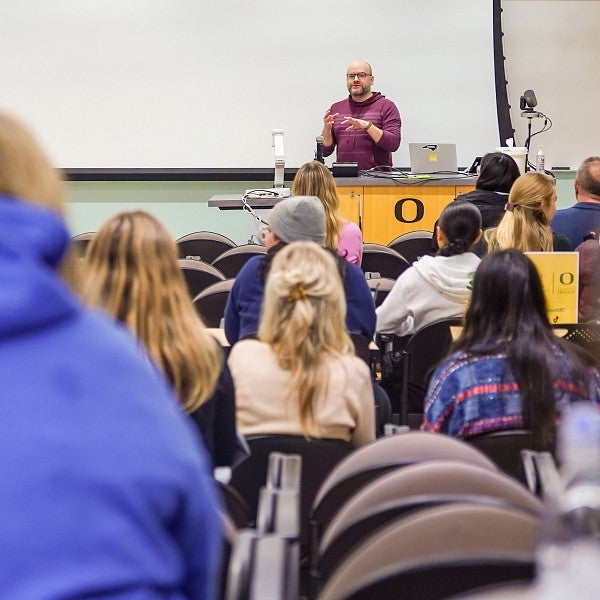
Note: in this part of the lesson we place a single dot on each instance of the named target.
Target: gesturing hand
(329, 118)
(355, 123)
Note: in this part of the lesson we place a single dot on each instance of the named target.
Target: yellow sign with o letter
(559, 272)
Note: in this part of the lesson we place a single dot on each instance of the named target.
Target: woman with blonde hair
(301, 376)
(315, 179)
(131, 271)
(526, 221)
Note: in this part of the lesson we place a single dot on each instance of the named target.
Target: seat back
(411, 488)
(210, 302)
(425, 349)
(235, 506)
(319, 457)
(413, 244)
(203, 246)
(444, 579)
(504, 448)
(378, 258)
(80, 242)
(231, 261)
(586, 335)
(380, 287)
(379, 457)
(441, 548)
(198, 275)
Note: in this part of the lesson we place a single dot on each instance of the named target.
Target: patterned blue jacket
(470, 394)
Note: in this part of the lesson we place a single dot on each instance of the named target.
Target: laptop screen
(432, 158)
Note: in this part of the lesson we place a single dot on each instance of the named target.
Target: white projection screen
(201, 84)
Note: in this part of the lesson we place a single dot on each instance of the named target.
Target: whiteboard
(202, 83)
(553, 48)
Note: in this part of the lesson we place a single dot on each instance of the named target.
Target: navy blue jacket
(242, 312)
(577, 221)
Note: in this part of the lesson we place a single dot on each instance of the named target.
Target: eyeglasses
(359, 75)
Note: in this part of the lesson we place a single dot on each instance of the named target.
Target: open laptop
(439, 160)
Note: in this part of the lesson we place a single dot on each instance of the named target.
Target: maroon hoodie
(356, 145)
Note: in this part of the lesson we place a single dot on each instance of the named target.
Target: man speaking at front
(365, 127)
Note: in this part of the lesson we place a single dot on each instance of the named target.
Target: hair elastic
(298, 294)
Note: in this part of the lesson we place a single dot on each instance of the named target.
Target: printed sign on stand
(559, 272)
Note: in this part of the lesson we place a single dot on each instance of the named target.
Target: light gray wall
(182, 206)
(553, 48)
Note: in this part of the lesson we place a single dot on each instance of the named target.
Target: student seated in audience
(301, 376)
(436, 287)
(105, 487)
(589, 278)
(131, 271)
(508, 369)
(315, 179)
(497, 173)
(579, 220)
(299, 218)
(526, 221)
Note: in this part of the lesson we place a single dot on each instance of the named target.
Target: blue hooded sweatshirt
(105, 490)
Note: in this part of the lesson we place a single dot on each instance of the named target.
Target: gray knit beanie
(299, 218)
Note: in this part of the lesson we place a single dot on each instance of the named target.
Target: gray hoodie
(434, 287)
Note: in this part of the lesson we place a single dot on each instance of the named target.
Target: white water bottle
(568, 555)
(579, 444)
(540, 160)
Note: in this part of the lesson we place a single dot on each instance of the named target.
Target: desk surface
(234, 201)
(369, 181)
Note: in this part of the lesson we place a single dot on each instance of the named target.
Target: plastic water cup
(518, 153)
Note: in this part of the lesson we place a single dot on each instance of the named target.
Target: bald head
(360, 66)
(587, 181)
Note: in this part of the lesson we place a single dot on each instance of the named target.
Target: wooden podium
(386, 211)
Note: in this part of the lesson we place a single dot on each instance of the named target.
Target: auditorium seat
(413, 244)
(505, 447)
(410, 372)
(586, 335)
(198, 275)
(80, 242)
(413, 488)
(236, 507)
(380, 287)
(439, 552)
(231, 261)
(381, 456)
(319, 457)
(203, 245)
(210, 302)
(383, 261)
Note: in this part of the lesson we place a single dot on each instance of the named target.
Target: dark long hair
(507, 315)
(497, 173)
(461, 223)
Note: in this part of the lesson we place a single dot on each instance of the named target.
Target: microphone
(319, 151)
